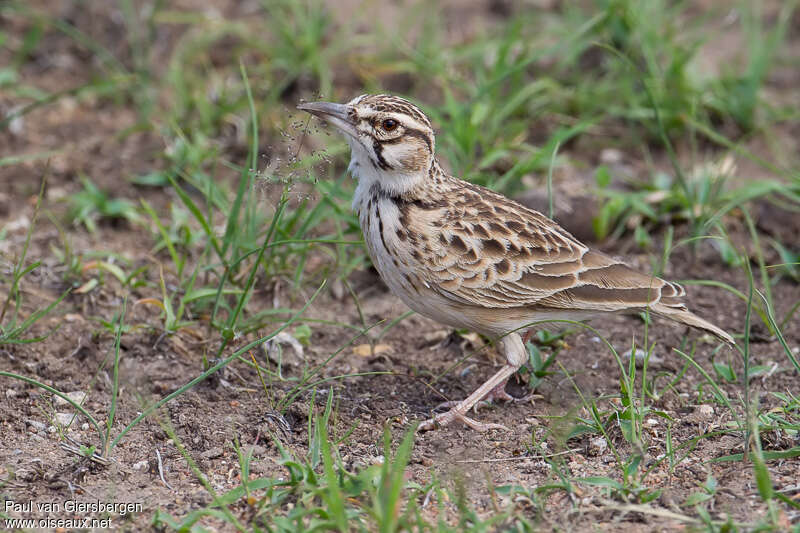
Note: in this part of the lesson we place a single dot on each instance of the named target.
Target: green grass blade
(333, 493)
(115, 380)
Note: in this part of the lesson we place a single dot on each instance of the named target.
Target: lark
(468, 257)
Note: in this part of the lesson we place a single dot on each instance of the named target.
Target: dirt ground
(233, 405)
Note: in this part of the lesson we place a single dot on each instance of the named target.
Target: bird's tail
(682, 315)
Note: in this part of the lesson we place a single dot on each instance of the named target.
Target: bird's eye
(389, 124)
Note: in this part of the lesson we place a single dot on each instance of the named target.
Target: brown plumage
(469, 257)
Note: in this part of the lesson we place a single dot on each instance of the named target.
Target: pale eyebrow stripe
(406, 120)
(414, 133)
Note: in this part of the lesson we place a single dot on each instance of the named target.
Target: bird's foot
(497, 393)
(459, 412)
(450, 416)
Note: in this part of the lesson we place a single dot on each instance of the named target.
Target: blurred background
(658, 109)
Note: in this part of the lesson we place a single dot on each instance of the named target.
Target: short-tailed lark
(468, 257)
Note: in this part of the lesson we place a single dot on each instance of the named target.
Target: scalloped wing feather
(492, 252)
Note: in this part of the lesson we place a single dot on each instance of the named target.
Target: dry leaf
(86, 287)
(365, 350)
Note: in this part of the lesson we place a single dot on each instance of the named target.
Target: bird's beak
(336, 114)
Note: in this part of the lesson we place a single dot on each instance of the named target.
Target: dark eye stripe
(422, 135)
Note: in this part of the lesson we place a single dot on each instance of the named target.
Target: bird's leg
(497, 393)
(461, 408)
(515, 356)
(527, 336)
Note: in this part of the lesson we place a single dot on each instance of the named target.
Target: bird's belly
(417, 295)
(420, 298)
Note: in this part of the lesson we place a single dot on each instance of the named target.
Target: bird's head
(391, 140)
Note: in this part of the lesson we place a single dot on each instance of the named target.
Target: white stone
(610, 156)
(76, 396)
(35, 424)
(704, 412)
(640, 357)
(597, 446)
(65, 419)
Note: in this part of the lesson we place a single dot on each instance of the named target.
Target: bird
(468, 257)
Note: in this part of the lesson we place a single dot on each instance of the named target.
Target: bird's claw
(445, 419)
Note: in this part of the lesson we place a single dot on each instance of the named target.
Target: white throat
(389, 182)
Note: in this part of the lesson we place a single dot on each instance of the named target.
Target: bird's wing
(493, 252)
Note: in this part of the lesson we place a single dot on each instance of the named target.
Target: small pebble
(65, 419)
(36, 425)
(610, 156)
(597, 446)
(16, 125)
(76, 396)
(705, 411)
(701, 413)
(640, 357)
(212, 453)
